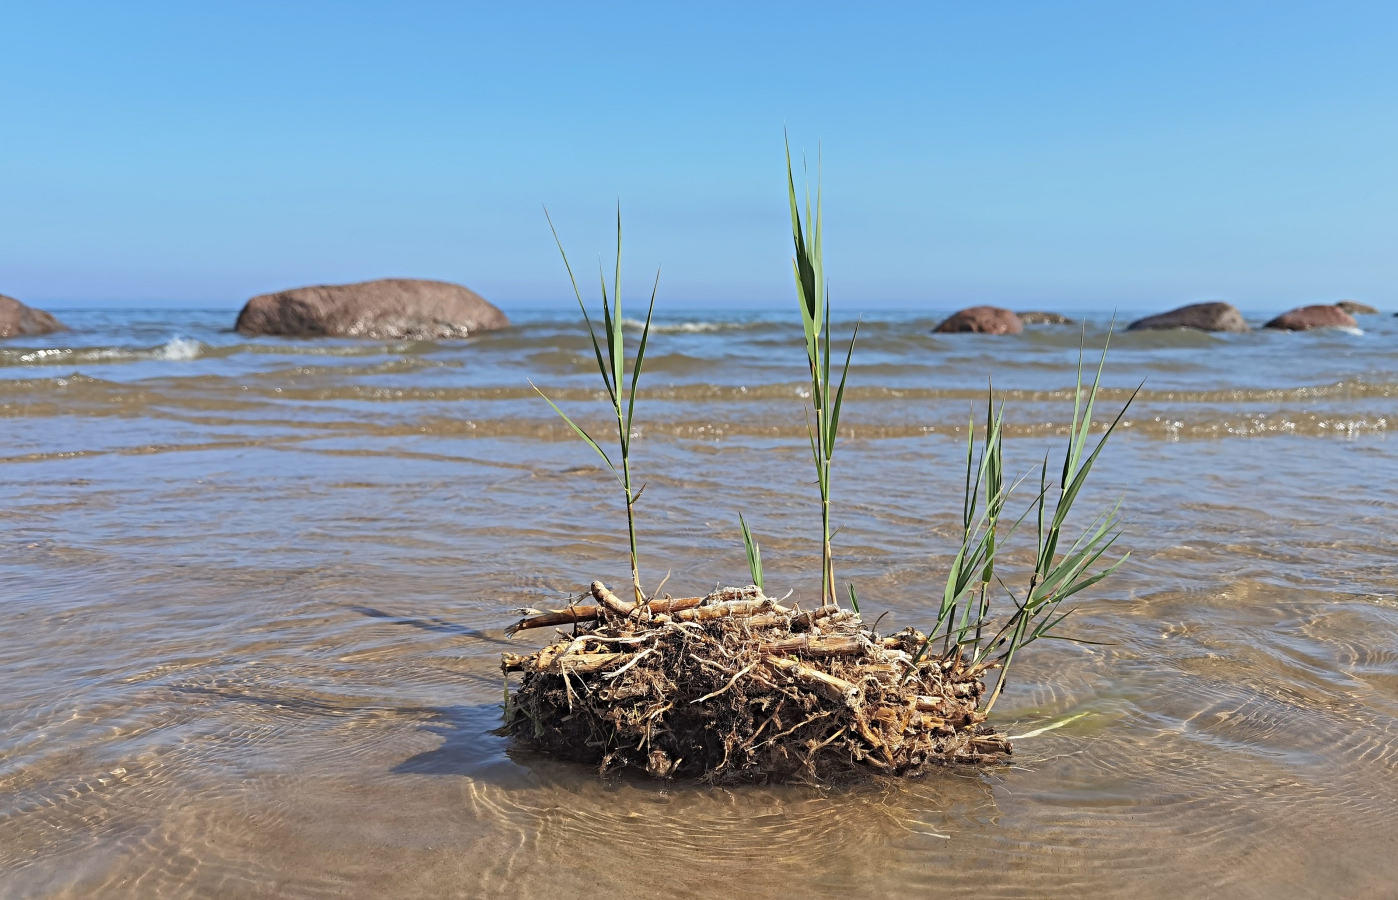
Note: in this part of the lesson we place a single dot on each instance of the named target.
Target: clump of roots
(735, 687)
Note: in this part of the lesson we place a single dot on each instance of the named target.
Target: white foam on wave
(179, 349)
(682, 327)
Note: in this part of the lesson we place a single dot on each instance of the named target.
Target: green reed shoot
(612, 366)
(978, 640)
(754, 553)
(808, 267)
(1059, 576)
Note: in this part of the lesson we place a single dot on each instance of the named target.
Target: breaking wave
(177, 349)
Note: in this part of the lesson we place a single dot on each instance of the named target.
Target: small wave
(177, 349)
(687, 327)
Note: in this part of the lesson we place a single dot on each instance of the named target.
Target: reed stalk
(1059, 576)
(612, 367)
(973, 637)
(808, 267)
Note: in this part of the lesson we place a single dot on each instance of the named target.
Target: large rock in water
(392, 308)
(1307, 317)
(1216, 316)
(1035, 317)
(1355, 308)
(982, 320)
(16, 319)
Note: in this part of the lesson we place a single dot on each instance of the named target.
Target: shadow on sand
(469, 745)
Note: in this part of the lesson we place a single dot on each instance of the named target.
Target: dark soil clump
(735, 687)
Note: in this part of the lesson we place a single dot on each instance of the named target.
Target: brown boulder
(982, 320)
(1355, 308)
(389, 308)
(1307, 317)
(1215, 316)
(1043, 318)
(16, 319)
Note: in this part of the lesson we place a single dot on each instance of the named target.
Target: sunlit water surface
(255, 593)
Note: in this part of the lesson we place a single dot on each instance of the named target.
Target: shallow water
(255, 594)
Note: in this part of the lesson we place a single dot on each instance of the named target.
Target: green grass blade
(591, 333)
(853, 598)
(967, 509)
(1092, 396)
(806, 283)
(840, 392)
(1062, 637)
(754, 553)
(1071, 567)
(581, 433)
(815, 451)
(825, 351)
(618, 352)
(1067, 573)
(1071, 493)
(1043, 500)
(1078, 440)
(1080, 586)
(951, 594)
(1043, 628)
(814, 224)
(1077, 400)
(641, 354)
(1091, 542)
(601, 363)
(613, 345)
(1103, 522)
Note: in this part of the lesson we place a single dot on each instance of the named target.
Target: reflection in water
(256, 593)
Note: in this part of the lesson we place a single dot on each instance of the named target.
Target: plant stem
(612, 368)
(984, 611)
(1005, 670)
(827, 569)
(631, 534)
(630, 506)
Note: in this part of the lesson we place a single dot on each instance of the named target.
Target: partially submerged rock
(1355, 308)
(734, 687)
(1214, 316)
(981, 320)
(17, 319)
(1305, 318)
(389, 308)
(1035, 317)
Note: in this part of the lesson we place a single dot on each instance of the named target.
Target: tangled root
(734, 687)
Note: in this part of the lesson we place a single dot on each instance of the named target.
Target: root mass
(735, 687)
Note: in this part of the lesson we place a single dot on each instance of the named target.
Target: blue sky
(1134, 155)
